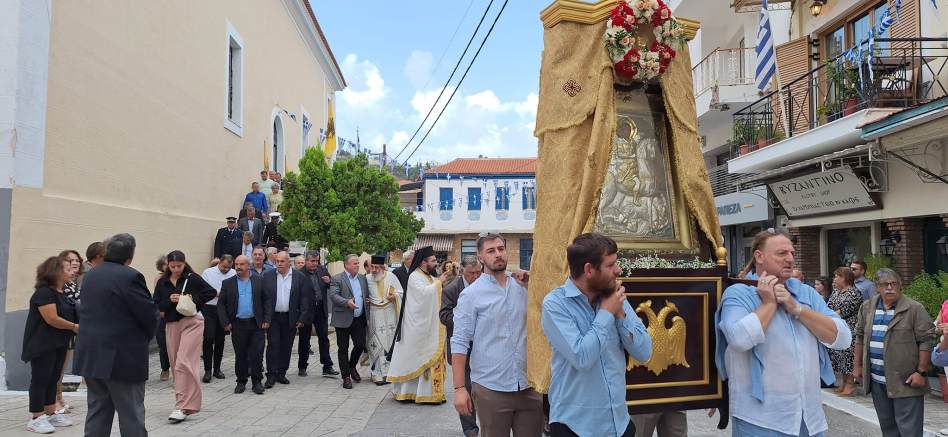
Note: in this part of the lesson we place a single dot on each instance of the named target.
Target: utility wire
(456, 65)
(448, 46)
(458, 86)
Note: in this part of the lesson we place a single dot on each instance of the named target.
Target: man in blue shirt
(590, 326)
(258, 199)
(492, 313)
(246, 310)
(863, 284)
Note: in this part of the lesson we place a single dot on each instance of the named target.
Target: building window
(502, 199)
(474, 199)
(526, 252)
(846, 245)
(447, 199)
(529, 198)
(468, 247)
(234, 109)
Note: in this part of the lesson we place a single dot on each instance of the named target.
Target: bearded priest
(417, 366)
(385, 293)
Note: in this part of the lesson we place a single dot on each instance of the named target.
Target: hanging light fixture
(887, 247)
(816, 8)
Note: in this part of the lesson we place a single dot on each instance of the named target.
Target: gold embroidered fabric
(575, 125)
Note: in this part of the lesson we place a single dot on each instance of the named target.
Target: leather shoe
(355, 376)
(329, 372)
(241, 386)
(218, 374)
(257, 388)
(282, 379)
(269, 383)
(302, 372)
(207, 377)
(347, 383)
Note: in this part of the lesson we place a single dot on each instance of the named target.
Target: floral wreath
(631, 58)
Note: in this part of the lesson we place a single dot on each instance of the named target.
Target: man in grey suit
(119, 319)
(253, 225)
(449, 299)
(350, 313)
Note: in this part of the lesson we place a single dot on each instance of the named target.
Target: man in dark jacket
(229, 239)
(319, 277)
(119, 319)
(247, 323)
(401, 272)
(471, 270)
(290, 292)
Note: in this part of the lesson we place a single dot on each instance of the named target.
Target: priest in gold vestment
(385, 293)
(417, 367)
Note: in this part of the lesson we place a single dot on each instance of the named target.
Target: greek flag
(872, 42)
(885, 22)
(898, 7)
(766, 58)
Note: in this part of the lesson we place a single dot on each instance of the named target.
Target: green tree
(350, 208)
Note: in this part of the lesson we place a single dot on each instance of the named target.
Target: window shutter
(793, 62)
(908, 25)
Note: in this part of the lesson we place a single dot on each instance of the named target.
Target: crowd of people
(407, 325)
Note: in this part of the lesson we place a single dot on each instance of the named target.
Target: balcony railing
(722, 182)
(724, 67)
(904, 72)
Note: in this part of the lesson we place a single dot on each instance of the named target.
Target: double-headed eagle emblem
(668, 344)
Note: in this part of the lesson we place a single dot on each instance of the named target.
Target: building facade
(151, 118)
(852, 146)
(481, 195)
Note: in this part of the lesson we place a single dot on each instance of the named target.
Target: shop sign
(743, 207)
(825, 192)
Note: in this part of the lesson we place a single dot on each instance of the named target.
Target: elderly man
(771, 346)
(865, 286)
(258, 264)
(892, 336)
(274, 197)
(401, 272)
(384, 294)
(350, 314)
(291, 293)
(470, 271)
(246, 245)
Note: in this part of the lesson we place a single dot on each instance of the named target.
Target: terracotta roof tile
(484, 166)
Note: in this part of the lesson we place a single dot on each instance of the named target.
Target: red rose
(661, 15)
(628, 66)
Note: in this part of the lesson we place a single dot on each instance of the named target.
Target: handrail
(705, 58)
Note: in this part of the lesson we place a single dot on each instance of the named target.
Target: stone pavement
(936, 410)
(310, 406)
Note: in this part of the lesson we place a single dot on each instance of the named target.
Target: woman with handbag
(180, 294)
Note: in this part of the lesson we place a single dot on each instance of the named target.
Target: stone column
(806, 241)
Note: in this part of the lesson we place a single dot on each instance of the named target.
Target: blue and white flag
(766, 57)
(898, 8)
(872, 42)
(885, 22)
(935, 6)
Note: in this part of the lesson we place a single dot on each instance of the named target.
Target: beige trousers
(501, 412)
(185, 338)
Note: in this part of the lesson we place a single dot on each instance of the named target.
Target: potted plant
(743, 134)
(845, 79)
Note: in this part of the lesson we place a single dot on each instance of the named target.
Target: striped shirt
(880, 324)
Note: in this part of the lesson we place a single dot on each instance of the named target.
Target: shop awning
(769, 175)
(440, 243)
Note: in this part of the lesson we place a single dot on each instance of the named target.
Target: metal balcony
(904, 72)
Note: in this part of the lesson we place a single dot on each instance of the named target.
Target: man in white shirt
(291, 293)
(214, 333)
(246, 248)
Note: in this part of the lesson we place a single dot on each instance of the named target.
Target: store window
(936, 245)
(445, 199)
(845, 245)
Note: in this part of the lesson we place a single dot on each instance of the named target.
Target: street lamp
(816, 8)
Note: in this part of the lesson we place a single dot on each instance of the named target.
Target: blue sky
(389, 53)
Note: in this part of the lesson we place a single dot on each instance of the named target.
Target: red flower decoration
(661, 15)
(628, 66)
(623, 16)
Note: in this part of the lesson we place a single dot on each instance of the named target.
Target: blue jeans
(740, 428)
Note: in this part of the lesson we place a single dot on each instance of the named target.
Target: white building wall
(461, 220)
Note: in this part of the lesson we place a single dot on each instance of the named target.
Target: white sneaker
(59, 421)
(40, 425)
(177, 416)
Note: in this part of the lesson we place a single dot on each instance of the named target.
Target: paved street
(317, 406)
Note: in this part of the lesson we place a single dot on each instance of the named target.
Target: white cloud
(418, 68)
(485, 100)
(367, 88)
(528, 107)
